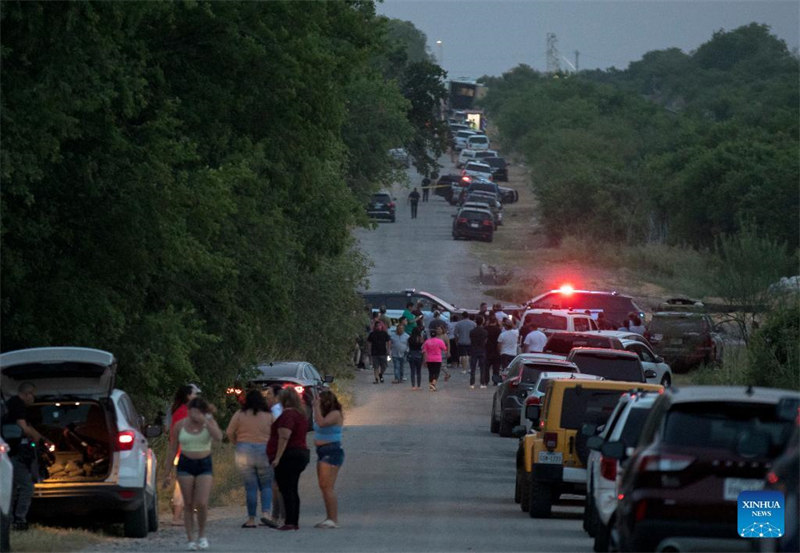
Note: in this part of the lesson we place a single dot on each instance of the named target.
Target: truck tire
(525, 492)
(494, 426)
(541, 499)
(505, 429)
(136, 521)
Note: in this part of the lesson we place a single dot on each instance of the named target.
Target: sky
(490, 37)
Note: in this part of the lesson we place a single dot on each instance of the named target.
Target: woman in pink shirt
(432, 350)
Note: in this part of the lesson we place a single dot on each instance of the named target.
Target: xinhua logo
(761, 514)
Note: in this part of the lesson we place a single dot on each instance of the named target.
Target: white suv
(102, 465)
(558, 320)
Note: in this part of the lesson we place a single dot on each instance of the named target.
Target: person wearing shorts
(328, 422)
(194, 434)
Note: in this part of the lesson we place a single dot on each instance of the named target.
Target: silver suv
(102, 465)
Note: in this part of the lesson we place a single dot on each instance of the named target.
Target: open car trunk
(82, 434)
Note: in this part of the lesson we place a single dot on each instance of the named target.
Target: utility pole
(553, 62)
(576, 60)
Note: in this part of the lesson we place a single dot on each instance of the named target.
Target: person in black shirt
(21, 437)
(492, 355)
(379, 343)
(413, 199)
(477, 353)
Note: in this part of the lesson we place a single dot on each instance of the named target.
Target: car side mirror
(650, 373)
(328, 378)
(153, 430)
(594, 442)
(519, 431)
(588, 429)
(532, 413)
(614, 450)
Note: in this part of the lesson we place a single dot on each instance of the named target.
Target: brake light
(125, 440)
(462, 219)
(620, 497)
(541, 423)
(532, 400)
(665, 463)
(299, 390)
(550, 440)
(641, 510)
(772, 478)
(465, 178)
(608, 468)
(4, 449)
(487, 223)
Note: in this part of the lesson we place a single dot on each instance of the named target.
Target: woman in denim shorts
(328, 421)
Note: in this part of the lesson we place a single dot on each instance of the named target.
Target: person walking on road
(413, 199)
(507, 343)
(384, 318)
(328, 422)
(432, 350)
(179, 410)
(452, 359)
(288, 453)
(278, 511)
(477, 353)
(409, 318)
(493, 331)
(463, 327)
(249, 431)
(415, 357)
(194, 434)
(435, 322)
(379, 342)
(399, 350)
(426, 185)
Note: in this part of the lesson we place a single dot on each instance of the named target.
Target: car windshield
(564, 344)
(676, 324)
(633, 426)
(583, 405)
(531, 373)
(279, 371)
(473, 215)
(381, 198)
(546, 320)
(627, 369)
(748, 429)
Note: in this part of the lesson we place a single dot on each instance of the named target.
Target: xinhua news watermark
(761, 514)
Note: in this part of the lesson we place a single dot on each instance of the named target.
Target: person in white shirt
(499, 313)
(507, 343)
(534, 342)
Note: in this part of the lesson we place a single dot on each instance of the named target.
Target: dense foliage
(180, 179)
(678, 149)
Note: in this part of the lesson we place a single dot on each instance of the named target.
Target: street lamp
(440, 44)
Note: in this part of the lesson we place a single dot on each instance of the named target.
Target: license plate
(734, 486)
(474, 225)
(551, 458)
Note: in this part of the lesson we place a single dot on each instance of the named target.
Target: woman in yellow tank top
(195, 434)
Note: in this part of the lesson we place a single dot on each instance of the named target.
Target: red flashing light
(125, 440)
(566, 289)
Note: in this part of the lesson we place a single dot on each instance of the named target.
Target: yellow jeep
(551, 458)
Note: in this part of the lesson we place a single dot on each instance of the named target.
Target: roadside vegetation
(180, 180)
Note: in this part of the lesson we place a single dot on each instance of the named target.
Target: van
(477, 142)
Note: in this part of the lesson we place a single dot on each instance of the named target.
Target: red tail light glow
(608, 468)
(299, 390)
(641, 510)
(550, 440)
(125, 440)
(462, 219)
(487, 223)
(532, 400)
(620, 497)
(772, 478)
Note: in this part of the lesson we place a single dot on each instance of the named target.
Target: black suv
(381, 206)
(685, 339)
(473, 223)
(499, 168)
(615, 307)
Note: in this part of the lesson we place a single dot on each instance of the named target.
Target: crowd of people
(481, 344)
(269, 433)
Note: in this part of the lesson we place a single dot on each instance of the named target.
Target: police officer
(22, 439)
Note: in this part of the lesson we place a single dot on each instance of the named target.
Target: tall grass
(48, 539)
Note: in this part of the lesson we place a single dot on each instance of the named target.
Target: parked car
(396, 301)
(476, 169)
(615, 307)
(382, 206)
(549, 461)
(400, 157)
(483, 155)
(499, 168)
(497, 214)
(465, 156)
(300, 375)
(554, 320)
(625, 424)
(538, 390)
(650, 361)
(509, 396)
(102, 467)
(685, 339)
(508, 195)
(446, 185)
(460, 139)
(477, 141)
(699, 448)
(473, 223)
(561, 343)
(611, 364)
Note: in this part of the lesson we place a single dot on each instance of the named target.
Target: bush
(773, 353)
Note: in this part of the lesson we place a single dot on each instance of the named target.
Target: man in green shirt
(408, 316)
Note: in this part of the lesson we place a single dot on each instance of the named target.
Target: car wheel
(524, 492)
(152, 514)
(587, 511)
(602, 536)
(541, 499)
(666, 381)
(494, 424)
(136, 521)
(505, 429)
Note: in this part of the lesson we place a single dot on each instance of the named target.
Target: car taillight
(299, 390)
(487, 223)
(462, 219)
(391, 204)
(772, 478)
(125, 440)
(664, 463)
(4, 449)
(550, 440)
(608, 468)
(465, 178)
(532, 400)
